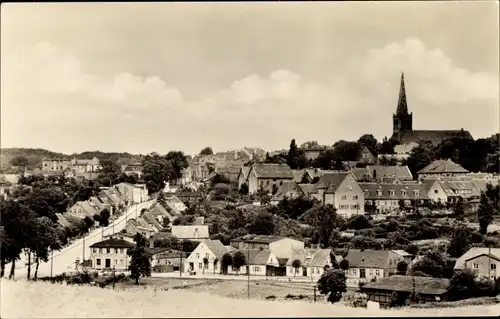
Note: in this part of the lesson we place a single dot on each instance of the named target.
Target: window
(281, 183)
(116, 261)
(267, 183)
(367, 193)
(121, 261)
(343, 197)
(403, 192)
(197, 255)
(370, 272)
(94, 250)
(200, 265)
(355, 197)
(108, 250)
(116, 250)
(354, 206)
(256, 268)
(98, 261)
(435, 191)
(379, 193)
(121, 250)
(207, 255)
(344, 206)
(475, 265)
(391, 192)
(493, 266)
(377, 272)
(100, 250)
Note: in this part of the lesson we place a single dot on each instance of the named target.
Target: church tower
(402, 121)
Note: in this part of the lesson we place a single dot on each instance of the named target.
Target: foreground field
(21, 299)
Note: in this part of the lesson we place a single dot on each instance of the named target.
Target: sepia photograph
(250, 159)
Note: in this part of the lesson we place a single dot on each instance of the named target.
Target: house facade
(442, 168)
(132, 193)
(243, 176)
(134, 168)
(386, 198)
(86, 165)
(206, 257)
(83, 209)
(341, 190)
(312, 263)
(110, 253)
(485, 262)
(258, 262)
(268, 176)
(282, 247)
(368, 265)
(192, 233)
(55, 164)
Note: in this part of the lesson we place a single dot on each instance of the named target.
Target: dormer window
(403, 192)
(416, 192)
(367, 193)
(379, 192)
(391, 192)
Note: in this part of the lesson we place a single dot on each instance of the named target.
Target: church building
(404, 133)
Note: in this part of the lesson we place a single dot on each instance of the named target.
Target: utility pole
(489, 263)
(83, 252)
(51, 262)
(248, 272)
(181, 252)
(314, 287)
(113, 277)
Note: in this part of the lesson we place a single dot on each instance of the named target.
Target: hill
(32, 157)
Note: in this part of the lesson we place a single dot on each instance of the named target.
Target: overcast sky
(162, 76)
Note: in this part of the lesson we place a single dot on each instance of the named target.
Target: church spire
(402, 106)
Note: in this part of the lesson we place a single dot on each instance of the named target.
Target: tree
(156, 170)
(262, 224)
(238, 261)
(244, 189)
(332, 283)
(488, 206)
(109, 173)
(431, 264)
(344, 264)
(293, 155)
(460, 241)
(48, 236)
(226, 261)
(402, 267)
(459, 209)
(370, 142)
(140, 264)
(358, 222)
(420, 157)
(323, 218)
(207, 151)
(398, 299)
(346, 151)
(19, 161)
(205, 264)
(104, 217)
(216, 262)
(463, 285)
(296, 264)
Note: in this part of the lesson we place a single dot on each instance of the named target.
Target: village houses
(282, 247)
(442, 168)
(485, 262)
(268, 177)
(132, 194)
(207, 256)
(191, 232)
(312, 262)
(259, 262)
(385, 198)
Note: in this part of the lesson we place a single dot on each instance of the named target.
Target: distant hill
(34, 157)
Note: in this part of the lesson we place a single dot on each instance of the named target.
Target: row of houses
(379, 188)
(112, 198)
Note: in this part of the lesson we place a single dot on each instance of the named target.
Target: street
(64, 260)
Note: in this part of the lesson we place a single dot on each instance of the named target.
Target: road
(64, 260)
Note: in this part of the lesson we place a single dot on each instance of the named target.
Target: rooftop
(113, 243)
(443, 166)
(423, 285)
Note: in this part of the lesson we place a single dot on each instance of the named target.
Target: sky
(155, 77)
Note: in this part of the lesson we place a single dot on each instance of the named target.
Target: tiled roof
(308, 189)
(367, 258)
(481, 184)
(462, 188)
(311, 257)
(379, 171)
(260, 239)
(244, 170)
(281, 171)
(190, 232)
(62, 220)
(151, 220)
(285, 189)
(113, 243)
(375, 191)
(216, 247)
(474, 252)
(442, 166)
(256, 256)
(423, 285)
(331, 181)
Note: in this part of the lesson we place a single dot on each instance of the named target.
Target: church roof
(434, 136)
(402, 108)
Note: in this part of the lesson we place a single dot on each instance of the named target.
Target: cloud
(263, 110)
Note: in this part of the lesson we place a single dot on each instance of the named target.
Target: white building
(110, 253)
(206, 257)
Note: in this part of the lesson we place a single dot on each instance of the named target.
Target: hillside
(21, 299)
(34, 156)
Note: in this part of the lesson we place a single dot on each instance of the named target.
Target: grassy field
(21, 299)
(230, 288)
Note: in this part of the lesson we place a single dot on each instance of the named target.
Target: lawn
(21, 299)
(229, 288)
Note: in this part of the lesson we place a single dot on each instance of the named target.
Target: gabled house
(451, 190)
(341, 190)
(62, 220)
(110, 196)
(134, 168)
(192, 233)
(160, 213)
(210, 250)
(139, 225)
(268, 176)
(282, 247)
(442, 168)
(312, 262)
(243, 176)
(82, 209)
(385, 198)
(259, 262)
(429, 289)
(365, 156)
(167, 260)
(287, 190)
(367, 265)
(485, 262)
(132, 193)
(86, 165)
